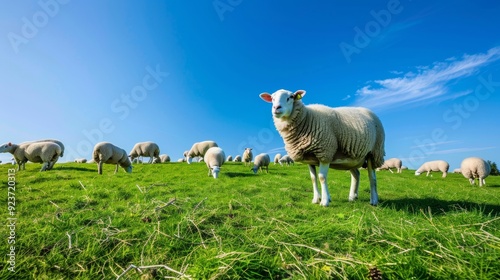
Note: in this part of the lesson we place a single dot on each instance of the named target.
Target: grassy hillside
(74, 224)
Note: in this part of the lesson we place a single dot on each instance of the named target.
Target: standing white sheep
(237, 158)
(105, 152)
(286, 159)
(435, 165)
(338, 138)
(214, 158)
(145, 149)
(199, 149)
(392, 163)
(277, 158)
(475, 168)
(38, 152)
(261, 161)
(247, 156)
(457, 170)
(80, 160)
(229, 158)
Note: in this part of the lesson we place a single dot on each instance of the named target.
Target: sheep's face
(215, 171)
(6, 148)
(282, 101)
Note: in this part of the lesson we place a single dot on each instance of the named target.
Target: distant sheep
(105, 152)
(286, 159)
(237, 158)
(229, 158)
(339, 138)
(457, 170)
(475, 168)
(46, 153)
(392, 163)
(199, 149)
(404, 167)
(261, 161)
(247, 156)
(145, 149)
(81, 160)
(436, 165)
(277, 158)
(214, 158)
(136, 160)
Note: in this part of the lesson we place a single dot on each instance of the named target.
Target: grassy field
(175, 221)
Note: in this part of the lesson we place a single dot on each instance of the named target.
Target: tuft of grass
(173, 221)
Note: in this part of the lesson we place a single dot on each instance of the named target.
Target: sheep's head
(282, 101)
(215, 171)
(6, 148)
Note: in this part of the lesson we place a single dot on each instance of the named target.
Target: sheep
(261, 161)
(145, 149)
(49, 140)
(237, 158)
(277, 158)
(436, 165)
(343, 138)
(214, 158)
(286, 159)
(199, 149)
(81, 160)
(164, 158)
(404, 167)
(457, 170)
(43, 152)
(181, 160)
(247, 156)
(105, 152)
(91, 160)
(475, 168)
(229, 158)
(136, 160)
(392, 163)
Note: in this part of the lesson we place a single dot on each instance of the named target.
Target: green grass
(246, 226)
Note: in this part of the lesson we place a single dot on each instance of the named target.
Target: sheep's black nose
(277, 107)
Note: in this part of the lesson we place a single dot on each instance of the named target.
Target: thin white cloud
(435, 144)
(347, 97)
(462, 150)
(429, 82)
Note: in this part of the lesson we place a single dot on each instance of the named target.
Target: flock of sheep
(345, 138)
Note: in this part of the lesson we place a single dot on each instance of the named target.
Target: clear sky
(179, 72)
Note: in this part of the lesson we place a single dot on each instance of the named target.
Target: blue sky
(179, 72)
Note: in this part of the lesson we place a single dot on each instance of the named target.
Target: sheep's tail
(378, 152)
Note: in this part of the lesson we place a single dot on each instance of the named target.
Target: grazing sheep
(42, 152)
(261, 161)
(338, 138)
(145, 149)
(199, 149)
(475, 168)
(214, 158)
(81, 160)
(237, 158)
(162, 159)
(181, 160)
(105, 152)
(247, 156)
(49, 140)
(436, 165)
(277, 158)
(286, 159)
(229, 158)
(391, 163)
(136, 160)
(91, 160)
(404, 167)
(457, 170)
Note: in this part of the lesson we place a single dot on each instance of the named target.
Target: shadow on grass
(87, 169)
(438, 206)
(239, 174)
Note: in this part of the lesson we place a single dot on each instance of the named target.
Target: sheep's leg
(150, 159)
(353, 194)
(428, 172)
(373, 183)
(316, 196)
(481, 182)
(471, 180)
(209, 171)
(45, 166)
(391, 170)
(323, 176)
(444, 174)
(116, 169)
(99, 167)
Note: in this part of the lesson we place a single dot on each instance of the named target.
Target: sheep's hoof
(315, 201)
(324, 204)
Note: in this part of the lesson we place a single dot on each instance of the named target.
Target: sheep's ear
(10, 144)
(299, 94)
(266, 97)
